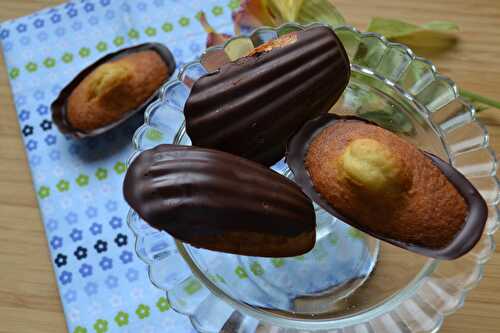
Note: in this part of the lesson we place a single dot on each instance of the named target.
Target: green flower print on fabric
(67, 58)
(101, 173)
(142, 311)
(133, 34)
(220, 278)
(31, 67)
(213, 278)
(333, 238)
(101, 326)
(14, 73)
(82, 180)
(217, 10)
(240, 272)
(101, 46)
(184, 21)
(234, 4)
(84, 52)
(150, 31)
(49, 62)
(119, 41)
(167, 27)
(163, 304)
(154, 135)
(120, 167)
(300, 258)
(192, 287)
(121, 319)
(43, 192)
(277, 262)
(257, 269)
(62, 186)
(80, 329)
(355, 233)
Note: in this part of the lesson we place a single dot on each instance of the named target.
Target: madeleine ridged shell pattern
(251, 106)
(219, 201)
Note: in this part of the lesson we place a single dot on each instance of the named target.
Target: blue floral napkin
(103, 286)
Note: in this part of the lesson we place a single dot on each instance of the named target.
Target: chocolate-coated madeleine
(378, 182)
(112, 89)
(250, 107)
(219, 201)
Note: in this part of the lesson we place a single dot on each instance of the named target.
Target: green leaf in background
(431, 35)
(480, 102)
(254, 13)
(391, 28)
(319, 11)
(435, 34)
(442, 26)
(288, 10)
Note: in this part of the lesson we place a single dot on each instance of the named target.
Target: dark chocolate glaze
(463, 242)
(58, 107)
(252, 106)
(185, 190)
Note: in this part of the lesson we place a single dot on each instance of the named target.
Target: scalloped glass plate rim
(390, 303)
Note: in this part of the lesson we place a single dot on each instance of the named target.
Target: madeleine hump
(385, 186)
(112, 89)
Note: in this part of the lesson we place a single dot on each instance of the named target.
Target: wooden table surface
(29, 300)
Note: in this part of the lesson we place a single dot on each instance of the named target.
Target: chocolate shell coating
(252, 106)
(221, 202)
(464, 240)
(59, 106)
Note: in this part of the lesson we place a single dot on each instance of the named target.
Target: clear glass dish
(350, 281)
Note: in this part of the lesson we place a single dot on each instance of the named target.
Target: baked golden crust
(115, 88)
(426, 210)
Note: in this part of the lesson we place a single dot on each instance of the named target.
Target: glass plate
(405, 292)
